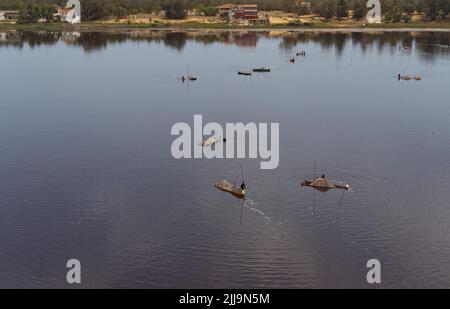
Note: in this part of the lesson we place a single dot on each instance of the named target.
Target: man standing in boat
(243, 187)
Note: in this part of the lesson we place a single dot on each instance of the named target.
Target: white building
(71, 13)
(9, 15)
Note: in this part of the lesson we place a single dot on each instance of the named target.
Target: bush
(294, 24)
(175, 9)
(406, 18)
(359, 9)
(209, 10)
(393, 16)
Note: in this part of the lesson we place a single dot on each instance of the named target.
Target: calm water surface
(86, 170)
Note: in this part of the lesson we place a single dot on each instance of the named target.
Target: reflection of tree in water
(175, 40)
(36, 39)
(359, 39)
(341, 40)
(433, 46)
(207, 39)
(289, 41)
(326, 40)
(245, 39)
(430, 45)
(91, 41)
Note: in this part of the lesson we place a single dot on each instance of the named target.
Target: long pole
(315, 169)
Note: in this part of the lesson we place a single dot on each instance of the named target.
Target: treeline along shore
(45, 14)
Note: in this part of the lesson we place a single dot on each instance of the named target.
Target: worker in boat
(183, 78)
(323, 176)
(243, 187)
(399, 76)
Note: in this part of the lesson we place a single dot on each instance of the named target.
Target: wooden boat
(211, 141)
(226, 186)
(244, 73)
(262, 70)
(407, 77)
(323, 184)
(189, 78)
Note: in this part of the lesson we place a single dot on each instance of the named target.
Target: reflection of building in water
(245, 40)
(9, 15)
(10, 37)
(70, 38)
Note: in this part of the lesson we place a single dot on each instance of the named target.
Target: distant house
(246, 11)
(9, 15)
(225, 10)
(305, 4)
(418, 17)
(238, 11)
(62, 13)
(69, 15)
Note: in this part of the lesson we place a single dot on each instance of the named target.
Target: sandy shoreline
(106, 28)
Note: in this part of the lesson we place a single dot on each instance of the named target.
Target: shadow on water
(430, 44)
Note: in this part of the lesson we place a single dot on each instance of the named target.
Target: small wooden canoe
(189, 77)
(262, 70)
(226, 186)
(211, 141)
(407, 77)
(323, 184)
(244, 73)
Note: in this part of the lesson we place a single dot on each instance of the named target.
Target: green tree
(359, 9)
(394, 14)
(325, 8)
(342, 9)
(208, 10)
(175, 9)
